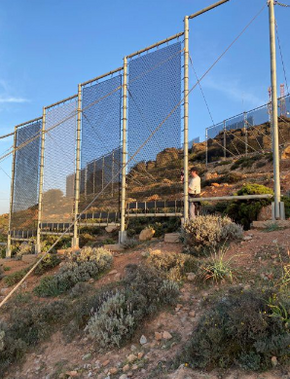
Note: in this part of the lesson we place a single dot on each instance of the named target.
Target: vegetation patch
(79, 267)
(173, 265)
(204, 233)
(244, 328)
(245, 212)
(121, 312)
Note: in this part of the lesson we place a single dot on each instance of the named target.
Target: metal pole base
(75, 243)
(37, 248)
(8, 252)
(281, 211)
(122, 237)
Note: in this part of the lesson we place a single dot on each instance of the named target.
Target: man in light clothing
(194, 189)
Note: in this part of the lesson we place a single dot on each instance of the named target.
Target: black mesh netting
(26, 179)
(100, 149)
(154, 91)
(59, 162)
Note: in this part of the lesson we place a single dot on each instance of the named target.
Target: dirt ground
(57, 359)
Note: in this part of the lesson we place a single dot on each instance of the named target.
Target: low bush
(14, 278)
(161, 225)
(80, 267)
(245, 212)
(25, 248)
(117, 317)
(244, 328)
(204, 233)
(245, 162)
(27, 326)
(130, 243)
(174, 265)
(1, 272)
(49, 261)
(112, 322)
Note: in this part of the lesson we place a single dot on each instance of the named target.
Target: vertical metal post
(246, 133)
(275, 134)
(185, 119)
(122, 234)
(103, 175)
(94, 176)
(225, 140)
(206, 147)
(8, 250)
(41, 175)
(112, 171)
(75, 240)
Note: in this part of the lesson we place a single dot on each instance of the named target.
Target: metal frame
(41, 173)
(42, 162)
(122, 233)
(10, 238)
(77, 223)
(75, 240)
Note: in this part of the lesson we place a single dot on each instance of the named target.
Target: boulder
(111, 228)
(286, 152)
(146, 234)
(172, 238)
(265, 213)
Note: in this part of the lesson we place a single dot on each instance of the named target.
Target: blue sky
(47, 47)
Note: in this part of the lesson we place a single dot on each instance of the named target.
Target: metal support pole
(225, 140)
(41, 175)
(75, 240)
(185, 116)
(8, 250)
(206, 147)
(122, 234)
(275, 134)
(246, 133)
(207, 9)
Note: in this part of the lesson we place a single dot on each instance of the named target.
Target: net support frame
(123, 233)
(75, 239)
(8, 249)
(185, 119)
(41, 176)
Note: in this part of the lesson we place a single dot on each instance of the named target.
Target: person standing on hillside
(194, 189)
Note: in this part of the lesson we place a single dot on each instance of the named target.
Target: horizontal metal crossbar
(155, 45)
(228, 198)
(102, 76)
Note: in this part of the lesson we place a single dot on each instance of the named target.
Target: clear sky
(47, 47)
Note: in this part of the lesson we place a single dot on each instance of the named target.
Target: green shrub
(245, 212)
(80, 267)
(24, 248)
(245, 162)
(207, 232)
(1, 272)
(130, 243)
(117, 317)
(50, 261)
(161, 225)
(174, 265)
(286, 200)
(241, 328)
(14, 278)
(112, 322)
(10, 348)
